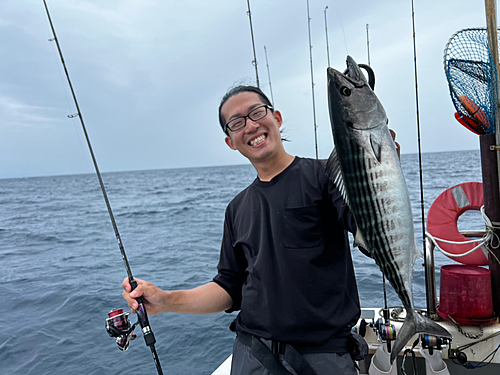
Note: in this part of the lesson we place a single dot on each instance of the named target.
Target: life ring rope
(435, 239)
(487, 238)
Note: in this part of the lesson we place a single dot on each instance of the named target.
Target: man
(285, 260)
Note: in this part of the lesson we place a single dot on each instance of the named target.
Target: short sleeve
(232, 267)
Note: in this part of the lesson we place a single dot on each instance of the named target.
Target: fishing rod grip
(142, 316)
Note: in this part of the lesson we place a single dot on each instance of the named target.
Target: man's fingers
(126, 285)
(398, 147)
(132, 302)
(130, 295)
(393, 134)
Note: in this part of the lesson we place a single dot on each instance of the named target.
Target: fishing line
(141, 310)
(342, 26)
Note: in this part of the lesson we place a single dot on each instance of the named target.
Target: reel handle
(142, 316)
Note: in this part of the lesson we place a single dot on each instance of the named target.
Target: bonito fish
(366, 168)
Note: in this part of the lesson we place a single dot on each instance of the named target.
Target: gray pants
(244, 363)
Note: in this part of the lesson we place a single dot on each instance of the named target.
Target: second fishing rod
(117, 326)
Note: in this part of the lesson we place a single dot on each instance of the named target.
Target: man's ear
(277, 116)
(230, 143)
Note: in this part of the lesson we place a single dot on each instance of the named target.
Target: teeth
(258, 140)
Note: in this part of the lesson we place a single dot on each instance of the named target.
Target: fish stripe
(363, 181)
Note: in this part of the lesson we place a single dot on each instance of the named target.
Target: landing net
(472, 79)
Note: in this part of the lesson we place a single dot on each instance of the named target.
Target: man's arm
(206, 299)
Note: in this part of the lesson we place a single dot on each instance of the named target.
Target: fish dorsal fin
(333, 166)
(376, 147)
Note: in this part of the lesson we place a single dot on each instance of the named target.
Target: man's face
(258, 140)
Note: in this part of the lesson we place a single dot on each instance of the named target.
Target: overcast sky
(149, 76)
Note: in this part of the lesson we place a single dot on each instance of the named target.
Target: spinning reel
(118, 325)
(433, 342)
(386, 331)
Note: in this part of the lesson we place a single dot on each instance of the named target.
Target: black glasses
(255, 114)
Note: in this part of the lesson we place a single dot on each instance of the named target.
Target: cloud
(16, 115)
(149, 75)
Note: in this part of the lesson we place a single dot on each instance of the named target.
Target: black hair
(238, 90)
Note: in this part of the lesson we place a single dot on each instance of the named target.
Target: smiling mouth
(257, 141)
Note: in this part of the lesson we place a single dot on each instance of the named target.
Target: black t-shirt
(285, 258)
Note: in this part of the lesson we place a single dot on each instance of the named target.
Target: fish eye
(345, 91)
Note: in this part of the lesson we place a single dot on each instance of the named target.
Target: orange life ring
(443, 216)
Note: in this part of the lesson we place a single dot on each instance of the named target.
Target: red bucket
(465, 294)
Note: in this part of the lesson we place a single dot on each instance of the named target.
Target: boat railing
(430, 271)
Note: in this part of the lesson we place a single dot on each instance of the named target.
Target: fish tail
(413, 324)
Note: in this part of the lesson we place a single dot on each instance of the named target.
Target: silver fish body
(366, 167)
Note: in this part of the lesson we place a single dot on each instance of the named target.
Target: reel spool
(433, 342)
(386, 331)
(118, 325)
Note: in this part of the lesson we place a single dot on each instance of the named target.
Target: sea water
(62, 270)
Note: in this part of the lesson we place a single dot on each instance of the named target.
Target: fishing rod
(254, 62)
(269, 76)
(326, 33)
(312, 81)
(385, 330)
(430, 298)
(117, 324)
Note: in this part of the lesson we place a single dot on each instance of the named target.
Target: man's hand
(155, 299)
(398, 147)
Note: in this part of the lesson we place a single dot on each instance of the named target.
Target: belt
(338, 345)
(276, 347)
(267, 353)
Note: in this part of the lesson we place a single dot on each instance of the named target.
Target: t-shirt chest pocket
(301, 227)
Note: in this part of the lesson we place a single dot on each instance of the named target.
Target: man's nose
(251, 125)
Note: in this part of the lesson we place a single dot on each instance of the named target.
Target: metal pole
(490, 161)
(269, 76)
(254, 62)
(326, 33)
(491, 23)
(312, 81)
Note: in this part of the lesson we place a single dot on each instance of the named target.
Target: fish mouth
(258, 140)
(353, 71)
(352, 74)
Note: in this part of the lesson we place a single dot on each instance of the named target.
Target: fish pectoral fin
(360, 242)
(376, 148)
(335, 174)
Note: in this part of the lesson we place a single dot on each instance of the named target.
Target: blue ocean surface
(62, 269)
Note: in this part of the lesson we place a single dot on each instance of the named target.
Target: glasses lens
(236, 124)
(240, 122)
(258, 113)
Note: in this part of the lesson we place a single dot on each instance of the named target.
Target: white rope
(487, 238)
(490, 230)
(435, 239)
